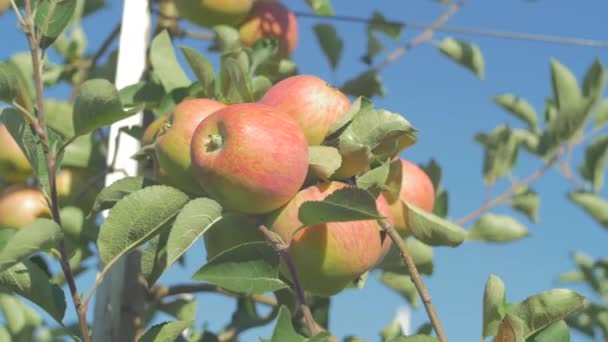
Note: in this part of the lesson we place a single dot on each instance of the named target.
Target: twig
(161, 291)
(416, 278)
(195, 34)
(283, 250)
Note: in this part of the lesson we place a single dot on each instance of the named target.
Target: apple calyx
(214, 142)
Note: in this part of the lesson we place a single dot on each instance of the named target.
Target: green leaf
(366, 84)
(595, 81)
(433, 170)
(403, 284)
(466, 54)
(374, 180)
(415, 338)
(593, 205)
(518, 107)
(182, 309)
(493, 300)
(527, 202)
(321, 7)
(136, 218)
(391, 331)
(432, 229)
(594, 167)
(59, 116)
(360, 104)
(167, 331)
(421, 253)
(497, 228)
(154, 257)
(84, 152)
(331, 44)
(500, 154)
(149, 94)
(30, 281)
(323, 161)
(97, 104)
(343, 205)
(235, 83)
(565, 86)
(226, 38)
(511, 329)
(556, 332)
(260, 85)
(247, 268)
(546, 308)
(378, 23)
(441, 203)
(202, 68)
(113, 193)
(38, 236)
(283, 330)
(52, 17)
(246, 316)
(13, 86)
(165, 64)
(601, 116)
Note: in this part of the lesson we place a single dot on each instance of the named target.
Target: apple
(328, 256)
(4, 5)
(250, 157)
(231, 230)
(150, 133)
(14, 166)
(313, 103)
(271, 19)
(416, 189)
(209, 13)
(21, 205)
(173, 142)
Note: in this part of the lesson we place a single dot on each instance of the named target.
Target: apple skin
(271, 19)
(327, 257)
(209, 13)
(313, 103)
(4, 5)
(416, 189)
(250, 157)
(231, 230)
(173, 142)
(14, 166)
(21, 205)
(150, 133)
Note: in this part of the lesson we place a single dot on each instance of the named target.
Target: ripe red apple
(231, 230)
(313, 103)
(14, 166)
(210, 13)
(416, 188)
(271, 19)
(327, 256)
(250, 157)
(21, 206)
(173, 142)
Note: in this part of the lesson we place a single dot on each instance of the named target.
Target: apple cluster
(253, 159)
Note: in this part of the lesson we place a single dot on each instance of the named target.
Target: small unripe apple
(416, 189)
(173, 142)
(209, 13)
(231, 230)
(14, 166)
(250, 157)
(327, 256)
(271, 19)
(21, 206)
(313, 103)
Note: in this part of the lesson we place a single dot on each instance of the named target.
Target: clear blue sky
(448, 105)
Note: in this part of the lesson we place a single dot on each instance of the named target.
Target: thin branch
(416, 278)
(161, 291)
(195, 34)
(283, 250)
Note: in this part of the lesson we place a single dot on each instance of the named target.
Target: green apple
(209, 13)
(313, 103)
(250, 157)
(271, 19)
(14, 166)
(173, 142)
(21, 205)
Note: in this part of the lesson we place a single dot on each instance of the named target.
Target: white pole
(110, 315)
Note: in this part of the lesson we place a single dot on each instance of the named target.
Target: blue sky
(448, 105)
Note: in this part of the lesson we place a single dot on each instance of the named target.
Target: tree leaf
(321, 7)
(432, 229)
(527, 202)
(497, 228)
(494, 298)
(594, 167)
(260, 85)
(415, 338)
(556, 332)
(403, 284)
(136, 218)
(375, 179)
(167, 331)
(378, 23)
(30, 281)
(247, 268)
(511, 329)
(284, 330)
(518, 107)
(601, 116)
(52, 17)
(181, 308)
(235, 83)
(331, 44)
(202, 68)
(154, 257)
(323, 161)
(97, 104)
(165, 64)
(38, 236)
(113, 193)
(466, 54)
(594, 205)
(343, 205)
(421, 253)
(391, 331)
(13, 86)
(360, 104)
(595, 81)
(546, 308)
(500, 154)
(367, 84)
(565, 86)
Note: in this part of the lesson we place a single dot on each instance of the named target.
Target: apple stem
(283, 251)
(215, 142)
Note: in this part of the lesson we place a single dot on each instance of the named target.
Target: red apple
(416, 189)
(313, 103)
(14, 166)
(173, 142)
(21, 206)
(210, 13)
(269, 19)
(327, 256)
(250, 157)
